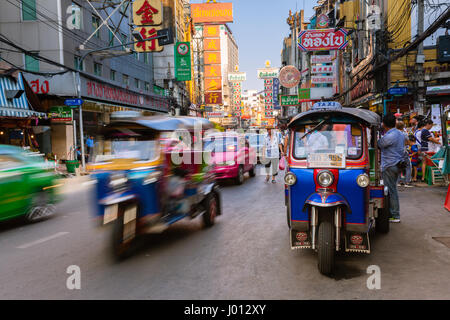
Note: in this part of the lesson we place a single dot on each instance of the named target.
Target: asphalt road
(246, 255)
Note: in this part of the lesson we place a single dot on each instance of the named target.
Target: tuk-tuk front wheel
(326, 247)
(382, 222)
(211, 210)
(121, 246)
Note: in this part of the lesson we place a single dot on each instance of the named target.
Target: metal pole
(419, 60)
(83, 161)
(74, 137)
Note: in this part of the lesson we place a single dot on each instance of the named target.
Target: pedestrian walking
(272, 152)
(392, 146)
(405, 176)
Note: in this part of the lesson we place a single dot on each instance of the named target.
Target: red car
(232, 156)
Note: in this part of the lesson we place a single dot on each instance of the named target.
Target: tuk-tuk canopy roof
(165, 123)
(367, 117)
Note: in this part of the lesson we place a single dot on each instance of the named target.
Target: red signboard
(327, 39)
(213, 98)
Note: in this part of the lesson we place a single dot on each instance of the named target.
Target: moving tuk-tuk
(148, 177)
(333, 194)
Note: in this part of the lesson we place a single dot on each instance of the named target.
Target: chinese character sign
(236, 97)
(268, 97)
(213, 98)
(147, 12)
(150, 45)
(276, 92)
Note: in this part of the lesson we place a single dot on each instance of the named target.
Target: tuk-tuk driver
(318, 140)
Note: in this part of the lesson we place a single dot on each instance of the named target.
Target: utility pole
(420, 60)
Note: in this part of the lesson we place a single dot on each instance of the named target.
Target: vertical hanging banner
(276, 92)
(213, 66)
(147, 15)
(268, 97)
(183, 61)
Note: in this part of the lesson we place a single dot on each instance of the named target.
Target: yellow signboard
(151, 45)
(147, 12)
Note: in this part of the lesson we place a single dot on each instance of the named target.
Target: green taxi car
(27, 185)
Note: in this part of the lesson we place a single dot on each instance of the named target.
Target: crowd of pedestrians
(404, 152)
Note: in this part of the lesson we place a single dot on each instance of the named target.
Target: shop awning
(20, 113)
(13, 100)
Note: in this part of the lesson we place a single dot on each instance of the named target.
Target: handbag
(282, 164)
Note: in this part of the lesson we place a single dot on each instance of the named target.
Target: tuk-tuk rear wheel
(326, 247)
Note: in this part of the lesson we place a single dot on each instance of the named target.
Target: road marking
(39, 241)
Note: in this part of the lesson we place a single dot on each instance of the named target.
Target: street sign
(290, 100)
(73, 102)
(183, 62)
(398, 91)
(60, 114)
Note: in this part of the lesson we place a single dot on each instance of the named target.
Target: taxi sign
(326, 105)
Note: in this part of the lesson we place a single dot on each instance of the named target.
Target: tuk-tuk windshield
(145, 150)
(343, 139)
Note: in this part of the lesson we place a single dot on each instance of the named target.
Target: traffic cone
(447, 199)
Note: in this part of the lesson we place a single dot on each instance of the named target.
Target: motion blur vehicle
(148, 177)
(27, 185)
(232, 156)
(334, 195)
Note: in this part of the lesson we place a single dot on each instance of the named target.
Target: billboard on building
(326, 39)
(212, 12)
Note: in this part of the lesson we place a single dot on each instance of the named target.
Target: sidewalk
(74, 184)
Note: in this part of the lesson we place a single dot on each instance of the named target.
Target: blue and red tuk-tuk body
(333, 192)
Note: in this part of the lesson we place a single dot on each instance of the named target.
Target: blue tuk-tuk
(149, 175)
(333, 192)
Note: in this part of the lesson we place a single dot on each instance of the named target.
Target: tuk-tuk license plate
(110, 213)
(326, 160)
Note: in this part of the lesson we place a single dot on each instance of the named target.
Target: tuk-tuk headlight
(290, 179)
(117, 181)
(325, 178)
(152, 177)
(363, 180)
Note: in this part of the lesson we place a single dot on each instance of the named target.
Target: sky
(259, 28)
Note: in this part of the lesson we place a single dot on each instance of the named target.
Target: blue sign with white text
(73, 102)
(276, 92)
(326, 105)
(397, 91)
